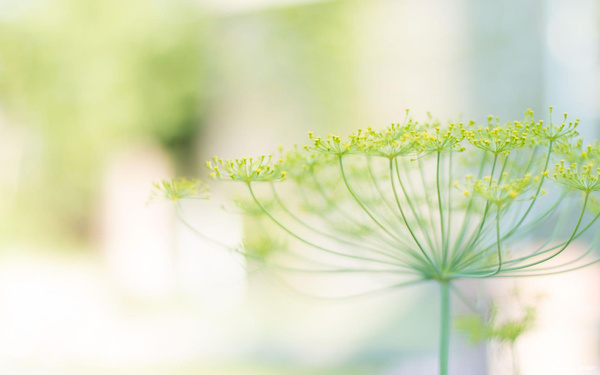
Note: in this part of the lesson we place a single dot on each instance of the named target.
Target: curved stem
(464, 299)
(327, 235)
(498, 253)
(286, 229)
(449, 228)
(404, 217)
(429, 204)
(471, 242)
(181, 216)
(375, 182)
(440, 208)
(375, 241)
(467, 217)
(571, 238)
(425, 231)
(549, 273)
(371, 293)
(362, 205)
(537, 193)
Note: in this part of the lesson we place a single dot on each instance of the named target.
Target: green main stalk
(444, 326)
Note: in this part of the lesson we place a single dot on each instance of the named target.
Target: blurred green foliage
(305, 56)
(505, 331)
(86, 77)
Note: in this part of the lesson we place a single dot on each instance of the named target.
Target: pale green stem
(444, 326)
(537, 193)
(498, 253)
(549, 273)
(327, 235)
(181, 216)
(467, 217)
(278, 266)
(404, 217)
(375, 182)
(464, 299)
(515, 358)
(449, 228)
(333, 204)
(286, 229)
(375, 241)
(468, 247)
(440, 208)
(571, 238)
(593, 247)
(429, 204)
(424, 231)
(370, 293)
(528, 228)
(361, 204)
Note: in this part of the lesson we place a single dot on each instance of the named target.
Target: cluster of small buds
(334, 144)
(262, 247)
(500, 193)
(499, 139)
(436, 139)
(247, 169)
(552, 132)
(395, 140)
(180, 188)
(586, 178)
(299, 164)
(573, 153)
(591, 152)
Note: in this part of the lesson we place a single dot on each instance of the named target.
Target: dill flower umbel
(181, 188)
(426, 202)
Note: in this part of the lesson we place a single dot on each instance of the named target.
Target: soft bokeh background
(100, 98)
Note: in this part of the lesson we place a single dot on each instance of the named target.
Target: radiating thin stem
(404, 217)
(440, 208)
(361, 204)
(286, 229)
(585, 201)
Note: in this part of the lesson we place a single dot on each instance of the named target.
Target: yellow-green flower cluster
(395, 140)
(586, 178)
(500, 193)
(262, 246)
(436, 139)
(334, 144)
(573, 153)
(299, 164)
(247, 169)
(181, 188)
(566, 130)
(499, 139)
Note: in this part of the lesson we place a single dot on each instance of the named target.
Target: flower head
(501, 192)
(335, 145)
(181, 188)
(299, 163)
(497, 138)
(433, 137)
(246, 169)
(395, 140)
(262, 246)
(585, 178)
(553, 132)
